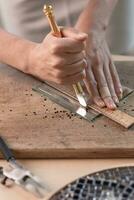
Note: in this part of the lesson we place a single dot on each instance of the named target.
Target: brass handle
(49, 12)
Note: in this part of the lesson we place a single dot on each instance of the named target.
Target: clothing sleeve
(25, 18)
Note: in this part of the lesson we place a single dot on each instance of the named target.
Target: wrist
(95, 17)
(95, 37)
(92, 27)
(15, 51)
(28, 57)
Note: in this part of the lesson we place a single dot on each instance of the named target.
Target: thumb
(73, 33)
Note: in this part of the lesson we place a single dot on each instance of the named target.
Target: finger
(109, 78)
(73, 33)
(110, 84)
(68, 59)
(75, 78)
(62, 62)
(116, 80)
(105, 94)
(86, 63)
(75, 67)
(102, 85)
(115, 76)
(63, 45)
(91, 85)
(70, 70)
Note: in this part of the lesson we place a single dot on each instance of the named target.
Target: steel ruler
(66, 101)
(124, 115)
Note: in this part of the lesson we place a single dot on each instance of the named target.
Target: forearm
(14, 51)
(96, 15)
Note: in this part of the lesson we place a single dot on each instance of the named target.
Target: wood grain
(37, 128)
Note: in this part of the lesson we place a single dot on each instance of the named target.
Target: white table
(57, 173)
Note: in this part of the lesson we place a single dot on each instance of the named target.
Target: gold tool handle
(49, 12)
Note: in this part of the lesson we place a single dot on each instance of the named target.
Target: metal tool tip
(81, 111)
(82, 101)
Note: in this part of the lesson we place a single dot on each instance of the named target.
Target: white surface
(57, 173)
(121, 29)
(121, 58)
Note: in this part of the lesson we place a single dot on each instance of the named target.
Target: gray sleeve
(25, 18)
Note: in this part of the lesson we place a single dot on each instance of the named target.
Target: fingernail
(83, 35)
(120, 96)
(116, 100)
(120, 90)
(84, 74)
(101, 103)
(112, 106)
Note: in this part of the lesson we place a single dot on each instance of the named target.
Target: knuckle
(119, 90)
(102, 85)
(107, 98)
(111, 63)
(61, 61)
(115, 74)
(84, 64)
(58, 74)
(55, 48)
(60, 81)
(82, 46)
(109, 80)
(97, 65)
(98, 70)
(93, 83)
(57, 63)
(80, 55)
(106, 64)
(79, 67)
(112, 91)
(80, 76)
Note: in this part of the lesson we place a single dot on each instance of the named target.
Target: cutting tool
(49, 12)
(18, 174)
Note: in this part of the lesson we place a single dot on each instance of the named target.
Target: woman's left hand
(102, 79)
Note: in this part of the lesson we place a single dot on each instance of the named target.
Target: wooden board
(37, 128)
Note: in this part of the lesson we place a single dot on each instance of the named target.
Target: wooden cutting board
(35, 127)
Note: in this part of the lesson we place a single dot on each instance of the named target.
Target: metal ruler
(70, 103)
(66, 101)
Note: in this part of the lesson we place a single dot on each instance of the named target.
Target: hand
(102, 79)
(60, 60)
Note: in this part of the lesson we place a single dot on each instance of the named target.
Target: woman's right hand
(60, 60)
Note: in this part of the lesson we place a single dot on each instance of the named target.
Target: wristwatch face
(111, 184)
